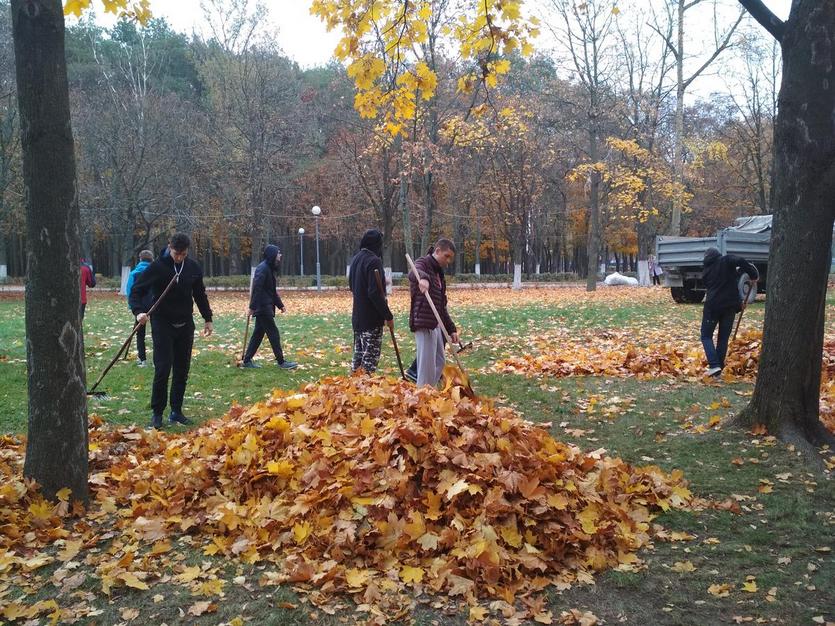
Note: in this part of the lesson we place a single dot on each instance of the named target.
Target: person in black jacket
(262, 304)
(721, 278)
(172, 323)
(370, 311)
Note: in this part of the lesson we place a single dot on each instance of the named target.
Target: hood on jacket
(271, 253)
(373, 240)
(711, 256)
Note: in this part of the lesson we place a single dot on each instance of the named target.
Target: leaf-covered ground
(760, 552)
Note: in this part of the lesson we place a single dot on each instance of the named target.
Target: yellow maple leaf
(71, 549)
(212, 587)
(588, 518)
(357, 577)
(477, 613)
(683, 566)
(511, 535)
(283, 468)
(130, 580)
(750, 586)
(75, 7)
(64, 494)
(409, 574)
(720, 591)
(301, 531)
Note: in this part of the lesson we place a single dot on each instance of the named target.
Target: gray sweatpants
(430, 356)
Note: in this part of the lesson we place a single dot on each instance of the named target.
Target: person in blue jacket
(145, 259)
(263, 302)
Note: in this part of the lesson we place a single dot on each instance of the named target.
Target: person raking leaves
(370, 310)
(263, 301)
(422, 321)
(172, 323)
(720, 275)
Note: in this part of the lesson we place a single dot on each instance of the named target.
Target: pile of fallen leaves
(608, 354)
(611, 354)
(360, 485)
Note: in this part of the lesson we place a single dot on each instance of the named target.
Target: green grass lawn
(783, 537)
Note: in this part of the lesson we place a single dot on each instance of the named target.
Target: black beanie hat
(373, 240)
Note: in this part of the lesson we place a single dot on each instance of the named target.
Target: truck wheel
(692, 296)
(678, 294)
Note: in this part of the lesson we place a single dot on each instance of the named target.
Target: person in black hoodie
(172, 323)
(721, 278)
(262, 304)
(370, 311)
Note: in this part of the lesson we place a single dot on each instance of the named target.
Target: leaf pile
(367, 486)
(608, 354)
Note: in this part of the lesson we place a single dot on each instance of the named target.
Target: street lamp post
(317, 212)
(301, 251)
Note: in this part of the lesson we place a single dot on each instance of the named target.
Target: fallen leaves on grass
(660, 355)
(356, 485)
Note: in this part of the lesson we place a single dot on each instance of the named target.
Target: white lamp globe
(316, 210)
(301, 231)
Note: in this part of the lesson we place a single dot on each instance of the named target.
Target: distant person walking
(263, 302)
(370, 309)
(655, 270)
(146, 257)
(422, 322)
(88, 279)
(172, 324)
(721, 278)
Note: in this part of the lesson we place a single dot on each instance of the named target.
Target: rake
(126, 345)
(391, 330)
(468, 388)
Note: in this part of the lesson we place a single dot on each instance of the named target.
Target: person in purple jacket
(422, 321)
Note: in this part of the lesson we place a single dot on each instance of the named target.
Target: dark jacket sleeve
(377, 299)
(421, 268)
(198, 292)
(745, 266)
(141, 288)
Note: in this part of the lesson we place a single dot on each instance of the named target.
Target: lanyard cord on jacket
(178, 272)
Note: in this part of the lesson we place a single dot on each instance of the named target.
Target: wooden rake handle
(751, 284)
(391, 330)
(437, 317)
(133, 332)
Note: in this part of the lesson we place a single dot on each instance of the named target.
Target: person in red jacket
(422, 321)
(88, 279)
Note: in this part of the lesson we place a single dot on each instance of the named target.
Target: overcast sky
(304, 38)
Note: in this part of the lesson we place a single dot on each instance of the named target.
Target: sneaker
(287, 365)
(178, 418)
(140, 363)
(250, 365)
(156, 422)
(411, 376)
(713, 371)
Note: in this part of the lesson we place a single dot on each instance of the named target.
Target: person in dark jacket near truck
(370, 311)
(263, 302)
(721, 278)
(422, 321)
(172, 323)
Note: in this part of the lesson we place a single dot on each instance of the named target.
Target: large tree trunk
(786, 395)
(56, 447)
